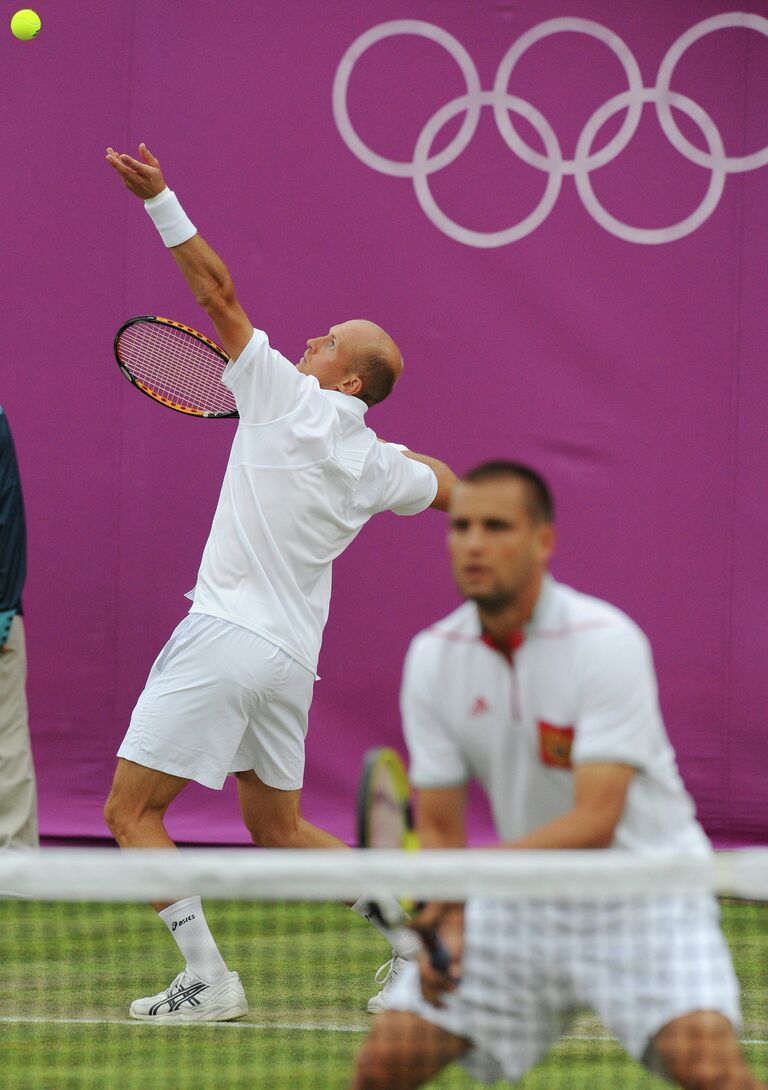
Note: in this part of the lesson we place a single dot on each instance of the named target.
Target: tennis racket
(385, 820)
(175, 365)
(384, 813)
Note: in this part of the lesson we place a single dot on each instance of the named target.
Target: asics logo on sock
(178, 923)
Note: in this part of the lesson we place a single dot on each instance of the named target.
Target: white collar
(542, 610)
(348, 402)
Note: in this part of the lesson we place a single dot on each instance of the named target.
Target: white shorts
(221, 699)
(529, 967)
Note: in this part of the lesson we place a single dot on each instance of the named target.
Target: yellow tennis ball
(25, 25)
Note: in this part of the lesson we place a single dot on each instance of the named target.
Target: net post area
(573, 964)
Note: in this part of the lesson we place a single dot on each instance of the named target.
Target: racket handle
(439, 958)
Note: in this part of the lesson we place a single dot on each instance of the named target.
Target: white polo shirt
(304, 476)
(581, 688)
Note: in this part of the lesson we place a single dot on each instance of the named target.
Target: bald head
(355, 357)
(374, 356)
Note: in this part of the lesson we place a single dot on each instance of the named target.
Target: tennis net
(79, 943)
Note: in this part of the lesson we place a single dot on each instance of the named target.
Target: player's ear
(352, 384)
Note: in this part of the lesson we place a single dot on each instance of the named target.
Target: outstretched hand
(144, 178)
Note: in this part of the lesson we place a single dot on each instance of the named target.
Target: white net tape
(105, 874)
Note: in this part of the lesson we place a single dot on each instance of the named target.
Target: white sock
(404, 942)
(186, 922)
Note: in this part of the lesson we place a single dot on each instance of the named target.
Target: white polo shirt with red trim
(579, 689)
(304, 476)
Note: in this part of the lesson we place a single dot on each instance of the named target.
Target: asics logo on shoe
(178, 999)
(178, 923)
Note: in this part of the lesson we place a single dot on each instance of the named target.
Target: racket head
(384, 810)
(175, 365)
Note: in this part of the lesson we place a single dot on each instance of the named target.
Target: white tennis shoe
(189, 999)
(386, 974)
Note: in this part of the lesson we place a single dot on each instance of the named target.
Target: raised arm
(203, 269)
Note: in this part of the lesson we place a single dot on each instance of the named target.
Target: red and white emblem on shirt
(555, 745)
(480, 706)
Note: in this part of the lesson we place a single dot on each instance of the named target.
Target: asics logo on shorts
(178, 923)
(551, 162)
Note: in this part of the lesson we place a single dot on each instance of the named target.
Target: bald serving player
(231, 690)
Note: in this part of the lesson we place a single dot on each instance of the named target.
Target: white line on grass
(308, 1027)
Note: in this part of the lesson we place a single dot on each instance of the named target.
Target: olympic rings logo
(552, 163)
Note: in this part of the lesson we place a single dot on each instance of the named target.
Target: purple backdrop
(626, 362)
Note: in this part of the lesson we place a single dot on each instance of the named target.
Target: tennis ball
(25, 25)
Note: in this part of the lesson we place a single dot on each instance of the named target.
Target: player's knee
(120, 822)
(113, 815)
(710, 1073)
(123, 816)
(372, 1069)
(275, 833)
(394, 1056)
(276, 827)
(700, 1051)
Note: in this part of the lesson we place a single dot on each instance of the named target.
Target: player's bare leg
(403, 1052)
(205, 990)
(700, 1051)
(137, 804)
(273, 817)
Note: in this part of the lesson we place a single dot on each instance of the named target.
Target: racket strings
(176, 367)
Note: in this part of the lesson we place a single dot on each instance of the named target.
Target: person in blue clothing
(18, 791)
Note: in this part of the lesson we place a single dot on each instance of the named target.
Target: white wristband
(169, 218)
